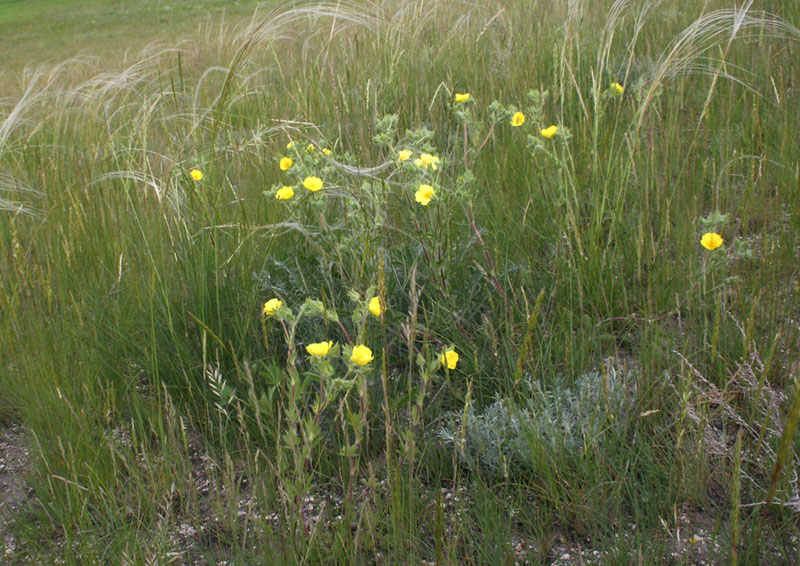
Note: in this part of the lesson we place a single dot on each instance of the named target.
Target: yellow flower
(326, 151)
(549, 132)
(290, 145)
(517, 119)
(404, 154)
(310, 148)
(617, 88)
(449, 358)
(361, 355)
(375, 306)
(196, 174)
(711, 240)
(313, 184)
(271, 306)
(462, 97)
(424, 194)
(285, 163)
(319, 348)
(284, 193)
(427, 160)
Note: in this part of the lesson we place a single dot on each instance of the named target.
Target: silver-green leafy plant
(569, 420)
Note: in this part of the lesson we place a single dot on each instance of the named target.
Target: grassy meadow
(50, 31)
(411, 282)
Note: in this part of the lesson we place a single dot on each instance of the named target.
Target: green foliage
(157, 324)
(568, 421)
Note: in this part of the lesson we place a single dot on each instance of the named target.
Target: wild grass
(621, 393)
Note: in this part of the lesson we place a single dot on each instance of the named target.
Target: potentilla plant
(328, 372)
(716, 255)
(718, 280)
(348, 213)
(320, 376)
(338, 206)
(419, 199)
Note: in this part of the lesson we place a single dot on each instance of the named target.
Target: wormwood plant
(509, 436)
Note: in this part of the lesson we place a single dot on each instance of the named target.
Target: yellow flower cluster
(361, 355)
(319, 349)
(196, 174)
(617, 88)
(271, 307)
(313, 184)
(461, 97)
(711, 241)
(284, 193)
(424, 194)
(375, 306)
(549, 132)
(404, 154)
(449, 358)
(285, 163)
(426, 160)
(519, 118)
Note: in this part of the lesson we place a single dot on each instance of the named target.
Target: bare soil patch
(14, 490)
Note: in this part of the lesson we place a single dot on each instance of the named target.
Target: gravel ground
(14, 463)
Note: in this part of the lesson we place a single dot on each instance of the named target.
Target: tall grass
(611, 371)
